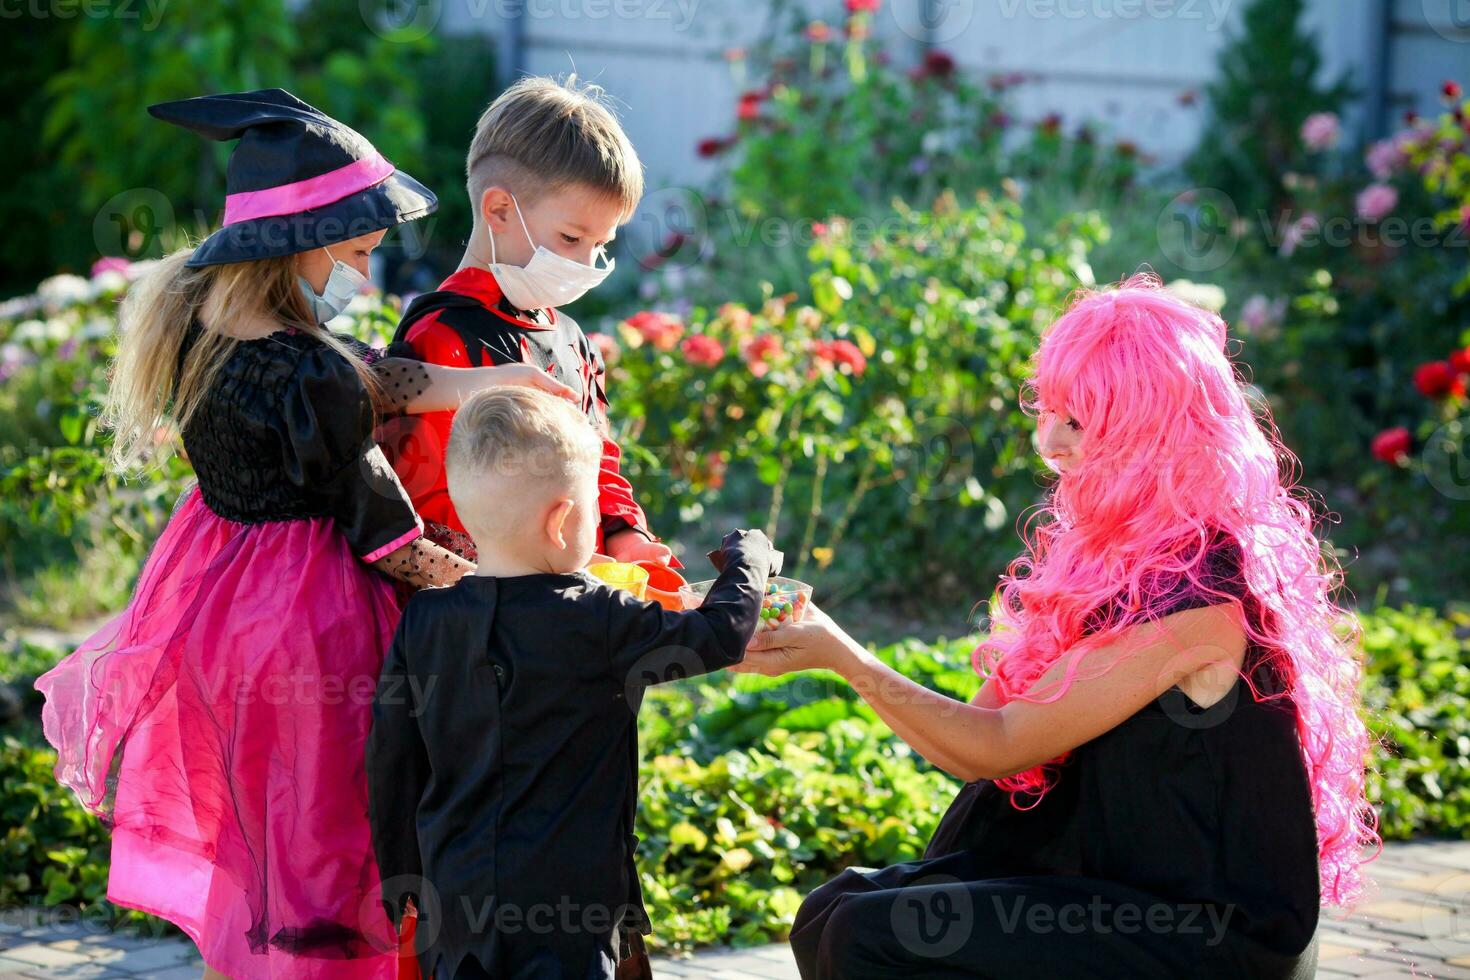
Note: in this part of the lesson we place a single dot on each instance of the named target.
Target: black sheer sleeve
(1221, 579)
(330, 451)
(400, 370)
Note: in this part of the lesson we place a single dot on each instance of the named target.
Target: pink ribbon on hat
(313, 192)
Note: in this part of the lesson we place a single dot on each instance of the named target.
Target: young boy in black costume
(503, 758)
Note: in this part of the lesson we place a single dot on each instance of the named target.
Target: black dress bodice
(286, 432)
(1208, 805)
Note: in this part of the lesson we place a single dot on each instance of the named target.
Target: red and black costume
(468, 322)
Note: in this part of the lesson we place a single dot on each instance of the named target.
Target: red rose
(760, 351)
(1434, 379)
(861, 6)
(750, 106)
(659, 329)
(1392, 445)
(712, 147)
(702, 350)
(841, 354)
(1452, 90)
(1460, 361)
(938, 64)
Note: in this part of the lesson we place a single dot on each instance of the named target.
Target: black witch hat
(297, 180)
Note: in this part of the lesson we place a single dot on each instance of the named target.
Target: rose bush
(879, 420)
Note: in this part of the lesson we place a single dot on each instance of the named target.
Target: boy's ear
(556, 519)
(496, 208)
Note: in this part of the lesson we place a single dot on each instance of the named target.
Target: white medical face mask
(549, 279)
(343, 283)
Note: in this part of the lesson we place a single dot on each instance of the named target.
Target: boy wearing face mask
(551, 176)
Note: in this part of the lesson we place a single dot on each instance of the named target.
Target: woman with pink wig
(1164, 767)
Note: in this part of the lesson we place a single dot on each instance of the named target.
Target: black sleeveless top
(1193, 805)
(286, 432)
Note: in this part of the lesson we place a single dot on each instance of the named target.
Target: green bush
(1419, 685)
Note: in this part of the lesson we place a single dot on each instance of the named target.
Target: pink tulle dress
(218, 724)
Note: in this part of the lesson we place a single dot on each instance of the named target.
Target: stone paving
(1414, 923)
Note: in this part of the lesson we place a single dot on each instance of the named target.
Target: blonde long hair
(149, 389)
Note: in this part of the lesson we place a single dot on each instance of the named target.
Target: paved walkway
(1416, 923)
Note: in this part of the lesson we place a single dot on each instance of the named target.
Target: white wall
(1121, 63)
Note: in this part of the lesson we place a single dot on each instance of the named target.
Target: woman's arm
(972, 741)
(416, 387)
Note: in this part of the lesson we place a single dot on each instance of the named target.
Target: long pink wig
(1174, 451)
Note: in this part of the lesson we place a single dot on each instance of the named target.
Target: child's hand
(629, 545)
(531, 377)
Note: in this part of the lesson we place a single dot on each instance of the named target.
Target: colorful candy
(784, 602)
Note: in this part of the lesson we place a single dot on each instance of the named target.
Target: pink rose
(1297, 232)
(1258, 313)
(1321, 131)
(110, 263)
(1385, 157)
(1376, 201)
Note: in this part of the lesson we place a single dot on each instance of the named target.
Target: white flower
(59, 292)
(1203, 295)
(29, 331)
(95, 328)
(110, 281)
(361, 304)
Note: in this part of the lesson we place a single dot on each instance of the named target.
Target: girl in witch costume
(1165, 765)
(218, 724)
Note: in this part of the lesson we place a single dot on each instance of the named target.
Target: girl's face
(1059, 440)
(317, 264)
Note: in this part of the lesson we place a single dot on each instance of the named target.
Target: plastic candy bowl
(663, 585)
(785, 600)
(622, 575)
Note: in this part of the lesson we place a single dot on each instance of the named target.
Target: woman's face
(1059, 440)
(317, 264)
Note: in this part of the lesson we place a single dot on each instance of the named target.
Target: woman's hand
(529, 376)
(812, 644)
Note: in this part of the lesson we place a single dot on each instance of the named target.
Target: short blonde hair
(545, 134)
(518, 437)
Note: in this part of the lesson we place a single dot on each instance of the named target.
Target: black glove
(751, 541)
